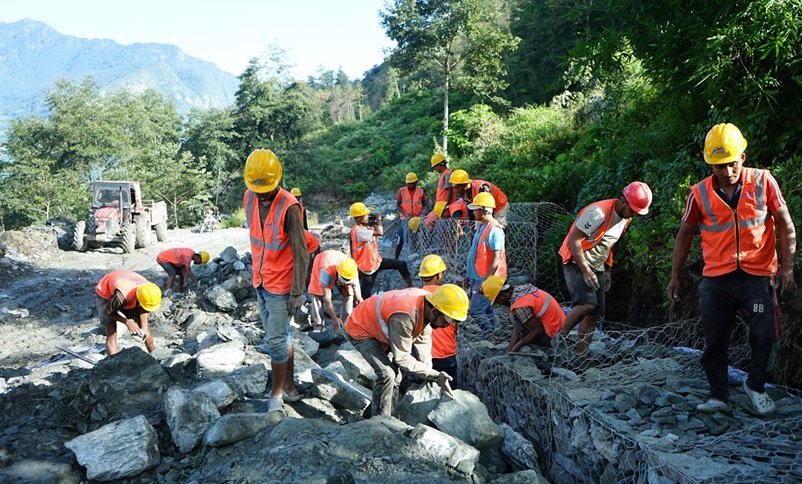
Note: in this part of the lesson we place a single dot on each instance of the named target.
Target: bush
(235, 220)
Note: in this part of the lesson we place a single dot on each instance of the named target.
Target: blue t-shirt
(495, 240)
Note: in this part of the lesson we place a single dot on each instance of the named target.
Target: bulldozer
(119, 216)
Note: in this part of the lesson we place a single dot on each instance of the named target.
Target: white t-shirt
(364, 235)
(590, 220)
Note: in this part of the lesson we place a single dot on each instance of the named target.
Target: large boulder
(332, 387)
(188, 414)
(239, 426)
(221, 394)
(304, 365)
(222, 299)
(220, 360)
(356, 365)
(445, 449)
(229, 255)
(518, 450)
(302, 340)
(417, 402)
(120, 449)
(466, 418)
(249, 380)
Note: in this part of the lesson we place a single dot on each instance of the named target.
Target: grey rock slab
(249, 380)
(518, 450)
(356, 365)
(221, 394)
(332, 387)
(220, 360)
(239, 426)
(466, 418)
(221, 299)
(529, 476)
(32, 471)
(229, 255)
(314, 407)
(304, 365)
(417, 402)
(303, 341)
(227, 332)
(188, 414)
(445, 449)
(565, 374)
(120, 449)
(338, 368)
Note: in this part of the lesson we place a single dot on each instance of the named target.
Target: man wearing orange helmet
(587, 254)
(280, 259)
(736, 210)
(126, 297)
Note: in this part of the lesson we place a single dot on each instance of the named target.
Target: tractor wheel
(78, 236)
(161, 231)
(142, 231)
(129, 238)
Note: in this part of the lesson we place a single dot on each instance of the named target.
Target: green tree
(466, 37)
(210, 139)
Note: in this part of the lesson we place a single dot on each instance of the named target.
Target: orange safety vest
(444, 340)
(124, 281)
(312, 242)
(270, 248)
(608, 207)
(546, 309)
(484, 254)
(742, 238)
(369, 319)
(366, 254)
(459, 205)
(498, 195)
(444, 194)
(328, 260)
(411, 203)
(180, 257)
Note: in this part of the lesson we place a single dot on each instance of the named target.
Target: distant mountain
(33, 56)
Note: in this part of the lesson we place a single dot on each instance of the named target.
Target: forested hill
(33, 56)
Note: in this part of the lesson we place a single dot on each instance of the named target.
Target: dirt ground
(57, 289)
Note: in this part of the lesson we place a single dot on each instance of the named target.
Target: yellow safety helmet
(438, 158)
(450, 300)
(262, 172)
(492, 286)
(348, 269)
(459, 177)
(149, 296)
(359, 209)
(411, 177)
(296, 192)
(414, 224)
(724, 143)
(438, 208)
(431, 265)
(482, 199)
(204, 256)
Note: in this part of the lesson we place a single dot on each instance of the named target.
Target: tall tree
(458, 36)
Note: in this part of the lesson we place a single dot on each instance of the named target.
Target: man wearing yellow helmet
(126, 297)
(280, 260)
(736, 210)
(467, 189)
(386, 327)
(178, 262)
(444, 195)
(410, 201)
(333, 269)
(486, 257)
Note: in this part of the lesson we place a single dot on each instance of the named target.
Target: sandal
(291, 397)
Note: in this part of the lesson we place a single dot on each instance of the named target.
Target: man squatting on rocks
(587, 254)
(280, 260)
(365, 249)
(735, 210)
(127, 297)
(444, 340)
(333, 269)
(178, 262)
(400, 320)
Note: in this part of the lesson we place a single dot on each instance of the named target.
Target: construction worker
(280, 260)
(535, 315)
(178, 262)
(127, 297)
(410, 201)
(444, 194)
(365, 249)
(333, 269)
(736, 210)
(296, 192)
(444, 340)
(387, 326)
(587, 255)
(467, 189)
(487, 257)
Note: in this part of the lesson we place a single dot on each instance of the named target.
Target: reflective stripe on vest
(365, 253)
(173, 256)
(443, 194)
(275, 231)
(553, 321)
(484, 255)
(411, 203)
(370, 318)
(271, 252)
(752, 244)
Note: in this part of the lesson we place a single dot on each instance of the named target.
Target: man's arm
(187, 269)
(300, 257)
(423, 346)
(682, 247)
(330, 309)
(535, 330)
(578, 256)
(378, 230)
(787, 233)
(401, 326)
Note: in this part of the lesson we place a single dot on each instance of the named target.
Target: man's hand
(135, 330)
(443, 380)
(608, 279)
(785, 280)
(378, 216)
(672, 290)
(338, 325)
(294, 303)
(591, 280)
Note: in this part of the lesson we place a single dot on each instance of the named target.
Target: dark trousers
(448, 365)
(366, 281)
(719, 299)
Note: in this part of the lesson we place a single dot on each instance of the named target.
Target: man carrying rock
(386, 327)
(178, 262)
(280, 260)
(127, 297)
(333, 269)
(735, 210)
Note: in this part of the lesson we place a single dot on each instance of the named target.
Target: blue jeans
(275, 318)
(481, 308)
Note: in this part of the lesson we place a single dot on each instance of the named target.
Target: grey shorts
(581, 293)
(170, 269)
(103, 311)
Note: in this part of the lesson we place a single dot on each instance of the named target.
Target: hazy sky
(332, 33)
